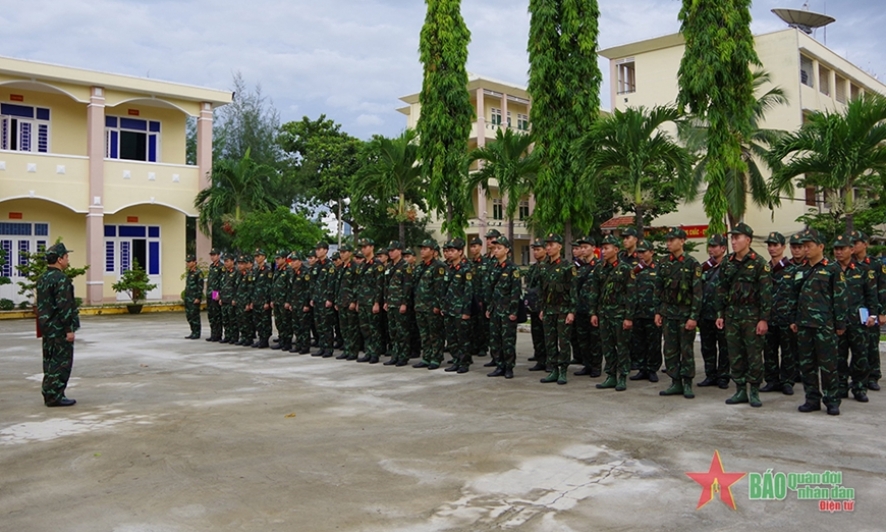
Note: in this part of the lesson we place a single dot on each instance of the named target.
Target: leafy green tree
(754, 151)
(393, 172)
(277, 229)
(717, 85)
(564, 82)
(837, 152)
(507, 160)
(645, 162)
(236, 187)
(321, 162)
(444, 125)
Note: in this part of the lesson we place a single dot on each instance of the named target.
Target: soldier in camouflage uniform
(57, 319)
(300, 303)
(398, 304)
(243, 301)
(585, 338)
(193, 296)
(456, 306)
(820, 317)
(504, 301)
(558, 308)
(213, 286)
(645, 334)
(714, 350)
(261, 299)
(745, 304)
(381, 255)
(480, 267)
(370, 299)
(230, 276)
(534, 303)
(280, 293)
(346, 304)
(414, 335)
(861, 292)
(337, 339)
(630, 239)
(613, 305)
(679, 296)
(322, 296)
(780, 373)
(860, 254)
(429, 287)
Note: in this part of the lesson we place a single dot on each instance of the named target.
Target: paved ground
(174, 435)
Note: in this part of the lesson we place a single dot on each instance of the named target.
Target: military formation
(766, 323)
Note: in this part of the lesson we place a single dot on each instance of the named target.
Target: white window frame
(34, 124)
(495, 116)
(119, 129)
(627, 76)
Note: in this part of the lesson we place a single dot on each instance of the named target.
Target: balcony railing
(60, 178)
(135, 182)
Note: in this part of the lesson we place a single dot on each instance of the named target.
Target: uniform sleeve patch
(468, 276)
(441, 271)
(870, 274)
(381, 268)
(516, 274)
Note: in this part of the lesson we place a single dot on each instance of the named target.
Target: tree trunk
(402, 233)
(850, 222)
(567, 239)
(849, 208)
(733, 220)
(449, 220)
(511, 230)
(638, 220)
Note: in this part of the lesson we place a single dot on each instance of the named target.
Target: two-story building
(813, 78)
(497, 105)
(99, 160)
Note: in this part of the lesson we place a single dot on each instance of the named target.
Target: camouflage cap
(630, 231)
(190, 258)
(811, 235)
(428, 243)
(363, 242)
(259, 252)
(554, 237)
(476, 241)
(455, 243)
(244, 258)
(359, 255)
(612, 240)
(775, 238)
(345, 247)
(336, 256)
(742, 229)
(537, 243)
(586, 240)
(676, 232)
(493, 233)
(281, 254)
(395, 244)
(381, 250)
(228, 256)
(214, 251)
(643, 246)
(297, 255)
(58, 250)
(322, 245)
(843, 241)
(858, 236)
(408, 251)
(716, 240)
(796, 239)
(502, 241)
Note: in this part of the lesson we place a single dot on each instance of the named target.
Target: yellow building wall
(172, 246)
(150, 183)
(67, 118)
(44, 180)
(173, 128)
(63, 222)
(75, 92)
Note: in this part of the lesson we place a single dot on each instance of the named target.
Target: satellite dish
(803, 20)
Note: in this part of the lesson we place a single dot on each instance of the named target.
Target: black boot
(708, 381)
(537, 367)
(364, 358)
(771, 387)
(583, 371)
(641, 375)
(497, 373)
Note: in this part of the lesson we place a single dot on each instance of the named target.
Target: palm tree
(754, 149)
(394, 173)
(631, 147)
(236, 187)
(836, 152)
(508, 160)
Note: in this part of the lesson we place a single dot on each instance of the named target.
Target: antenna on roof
(803, 19)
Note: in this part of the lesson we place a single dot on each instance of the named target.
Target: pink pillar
(204, 165)
(95, 235)
(504, 109)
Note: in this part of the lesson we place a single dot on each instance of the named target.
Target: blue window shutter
(109, 256)
(4, 133)
(41, 229)
(25, 140)
(153, 258)
(112, 153)
(134, 124)
(152, 148)
(42, 138)
(124, 256)
(41, 246)
(6, 270)
(11, 109)
(132, 231)
(110, 230)
(154, 231)
(154, 127)
(42, 114)
(111, 121)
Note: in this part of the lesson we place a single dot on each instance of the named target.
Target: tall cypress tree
(446, 112)
(564, 82)
(717, 84)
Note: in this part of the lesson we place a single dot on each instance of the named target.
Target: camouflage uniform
(745, 300)
(429, 288)
(783, 372)
(57, 316)
(193, 292)
(226, 296)
(558, 301)
(679, 295)
(633, 260)
(586, 347)
(821, 311)
(645, 335)
(533, 298)
(213, 307)
(280, 292)
(261, 296)
(879, 270)
(861, 291)
(613, 301)
(506, 293)
(397, 295)
(714, 350)
(370, 293)
(459, 282)
(481, 271)
(242, 300)
(299, 300)
(350, 322)
(323, 290)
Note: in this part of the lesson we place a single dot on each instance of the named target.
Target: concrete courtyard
(174, 435)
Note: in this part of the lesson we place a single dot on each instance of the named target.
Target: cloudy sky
(349, 59)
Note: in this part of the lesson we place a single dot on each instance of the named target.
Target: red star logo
(714, 481)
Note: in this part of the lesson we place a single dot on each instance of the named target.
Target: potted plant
(136, 284)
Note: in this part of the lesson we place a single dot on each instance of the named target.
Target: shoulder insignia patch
(870, 274)
(307, 277)
(381, 268)
(698, 272)
(842, 277)
(441, 271)
(883, 269)
(468, 276)
(574, 273)
(766, 267)
(516, 274)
